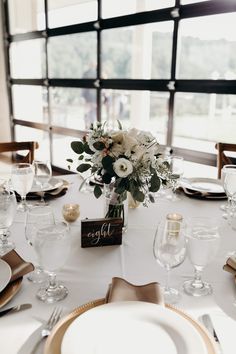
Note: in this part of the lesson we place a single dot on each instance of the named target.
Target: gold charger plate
(10, 291)
(53, 342)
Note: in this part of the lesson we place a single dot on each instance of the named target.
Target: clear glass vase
(116, 205)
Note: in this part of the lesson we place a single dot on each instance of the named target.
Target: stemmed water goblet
(177, 170)
(37, 217)
(22, 177)
(169, 250)
(7, 214)
(42, 175)
(52, 244)
(229, 183)
(224, 206)
(203, 239)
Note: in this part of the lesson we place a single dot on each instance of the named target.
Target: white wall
(4, 108)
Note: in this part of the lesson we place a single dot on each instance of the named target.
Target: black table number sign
(101, 232)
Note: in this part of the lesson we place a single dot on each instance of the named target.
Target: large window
(168, 66)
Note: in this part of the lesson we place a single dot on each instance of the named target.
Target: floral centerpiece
(126, 161)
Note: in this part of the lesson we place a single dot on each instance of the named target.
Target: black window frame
(173, 85)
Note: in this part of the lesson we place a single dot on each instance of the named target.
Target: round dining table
(88, 271)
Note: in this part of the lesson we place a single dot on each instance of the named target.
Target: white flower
(123, 167)
(129, 144)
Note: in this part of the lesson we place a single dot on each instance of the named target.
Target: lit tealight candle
(173, 223)
(174, 217)
(71, 212)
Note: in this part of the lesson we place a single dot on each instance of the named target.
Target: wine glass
(37, 217)
(169, 250)
(7, 214)
(177, 170)
(42, 175)
(52, 244)
(229, 184)
(203, 239)
(22, 177)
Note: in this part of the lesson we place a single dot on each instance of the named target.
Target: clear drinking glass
(203, 239)
(7, 213)
(37, 217)
(229, 184)
(22, 177)
(42, 175)
(169, 250)
(177, 170)
(224, 206)
(52, 244)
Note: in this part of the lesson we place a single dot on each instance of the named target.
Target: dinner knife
(30, 342)
(15, 309)
(206, 320)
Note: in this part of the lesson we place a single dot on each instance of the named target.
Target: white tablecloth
(88, 271)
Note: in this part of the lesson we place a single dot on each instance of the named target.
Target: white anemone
(123, 167)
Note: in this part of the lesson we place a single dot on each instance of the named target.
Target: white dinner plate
(208, 185)
(53, 183)
(5, 274)
(131, 327)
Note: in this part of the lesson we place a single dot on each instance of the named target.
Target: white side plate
(52, 184)
(208, 185)
(5, 274)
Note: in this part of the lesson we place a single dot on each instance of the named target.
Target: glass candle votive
(174, 223)
(71, 212)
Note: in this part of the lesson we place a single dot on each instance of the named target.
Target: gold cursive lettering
(96, 235)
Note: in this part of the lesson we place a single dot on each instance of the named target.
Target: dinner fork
(52, 321)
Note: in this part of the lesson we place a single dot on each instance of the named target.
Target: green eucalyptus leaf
(119, 124)
(77, 147)
(97, 191)
(98, 145)
(93, 169)
(151, 198)
(107, 163)
(138, 195)
(122, 185)
(106, 178)
(174, 176)
(81, 157)
(155, 183)
(83, 167)
(69, 160)
(87, 149)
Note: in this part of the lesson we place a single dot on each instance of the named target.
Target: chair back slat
(14, 146)
(222, 158)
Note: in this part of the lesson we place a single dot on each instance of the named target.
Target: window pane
(113, 8)
(137, 52)
(77, 53)
(27, 59)
(73, 108)
(30, 103)
(69, 12)
(203, 119)
(206, 48)
(140, 109)
(26, 15)
(25, 134)
(62, 151)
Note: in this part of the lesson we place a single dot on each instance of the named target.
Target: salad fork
(46, 330)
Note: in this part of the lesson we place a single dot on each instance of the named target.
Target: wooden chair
(14, 147)
(222, 158)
